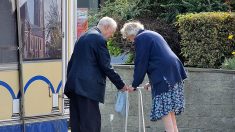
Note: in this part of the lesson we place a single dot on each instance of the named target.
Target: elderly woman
(164, 69)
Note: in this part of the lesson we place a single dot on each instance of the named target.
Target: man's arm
(104, 63)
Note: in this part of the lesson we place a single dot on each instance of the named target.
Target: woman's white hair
(107, 22)
(131, 28)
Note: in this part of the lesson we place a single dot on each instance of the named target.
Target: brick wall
(209, 96)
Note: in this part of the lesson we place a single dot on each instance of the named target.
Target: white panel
(55, 100)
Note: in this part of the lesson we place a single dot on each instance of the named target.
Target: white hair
(131, 28)
(107, 22)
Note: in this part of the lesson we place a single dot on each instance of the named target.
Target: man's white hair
(107, 22)
(131, 28)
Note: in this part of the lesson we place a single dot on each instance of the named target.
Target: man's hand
(128, 88)
(125, 88)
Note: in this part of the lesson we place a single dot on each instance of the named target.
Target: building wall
(210, 103)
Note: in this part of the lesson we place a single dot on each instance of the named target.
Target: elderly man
(86, 76)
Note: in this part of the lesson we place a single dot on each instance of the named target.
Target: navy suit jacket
(88, 67)
(154, 57)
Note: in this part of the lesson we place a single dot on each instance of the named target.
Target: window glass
(91, 4)
(8, 32)
(41, 26)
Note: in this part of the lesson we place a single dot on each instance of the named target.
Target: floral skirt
(166, 102)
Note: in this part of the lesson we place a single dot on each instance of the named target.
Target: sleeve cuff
(120, 86)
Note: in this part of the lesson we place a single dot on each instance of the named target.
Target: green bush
(169, 9)
(229, 64)
(113, 49)
(119, 10)
(204, 38)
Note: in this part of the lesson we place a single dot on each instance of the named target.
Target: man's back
(84, 75)
(86, 64)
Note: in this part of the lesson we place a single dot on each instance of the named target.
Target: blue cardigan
(154, 57)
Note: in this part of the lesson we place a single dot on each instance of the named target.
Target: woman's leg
(174, 121)
(167, 120)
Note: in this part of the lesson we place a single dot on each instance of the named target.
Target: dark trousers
(84, 114)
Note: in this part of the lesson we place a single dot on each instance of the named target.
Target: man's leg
(74, 114)
(90, 118)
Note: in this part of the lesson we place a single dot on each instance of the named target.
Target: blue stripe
(42, 78)
(8, 88)
(48, 126)
(59, 87)
(35, 78)
(59, 125)
(11, 128)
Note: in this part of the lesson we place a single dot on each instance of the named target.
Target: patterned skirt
(166, 102)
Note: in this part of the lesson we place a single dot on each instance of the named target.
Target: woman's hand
(147, 86)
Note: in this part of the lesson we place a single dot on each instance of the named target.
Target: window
(41, 20)
(91, 4)
(8, 32)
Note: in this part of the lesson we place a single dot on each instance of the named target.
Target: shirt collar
(140, 31)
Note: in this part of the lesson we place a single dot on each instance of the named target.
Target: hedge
(205, 40)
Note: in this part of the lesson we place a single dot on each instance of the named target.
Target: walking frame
(140, 110)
